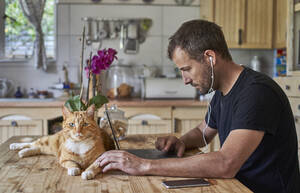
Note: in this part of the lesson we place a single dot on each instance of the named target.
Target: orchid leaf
(98, 100)
(75, 104)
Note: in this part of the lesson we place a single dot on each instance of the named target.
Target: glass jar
(120, 81)
(118, 120)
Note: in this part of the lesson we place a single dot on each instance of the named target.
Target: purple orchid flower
(101, 61)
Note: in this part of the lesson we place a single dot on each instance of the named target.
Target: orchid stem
(81, 64)
(89, 79)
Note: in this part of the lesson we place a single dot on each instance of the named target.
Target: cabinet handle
(144, 122)
(240, 37)
(287, 87)
(14, 123)
(298, 107)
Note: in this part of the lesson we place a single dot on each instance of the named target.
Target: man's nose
(186, 79)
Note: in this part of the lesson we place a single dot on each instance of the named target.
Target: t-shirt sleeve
(257, 108)
(212, 113)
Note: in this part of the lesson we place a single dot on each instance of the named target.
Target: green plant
(18, 30)
(101, 61)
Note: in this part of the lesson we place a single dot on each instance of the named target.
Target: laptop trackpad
(151, 153)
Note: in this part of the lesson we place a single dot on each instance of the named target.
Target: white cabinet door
(9, 128)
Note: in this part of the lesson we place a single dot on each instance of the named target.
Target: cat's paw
(15, 146)
(29, 152)
(87, 175)
(73, 171)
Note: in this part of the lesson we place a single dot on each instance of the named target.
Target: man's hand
(124, 161)
(170, 143)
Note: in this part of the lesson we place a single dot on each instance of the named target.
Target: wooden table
(44, 174)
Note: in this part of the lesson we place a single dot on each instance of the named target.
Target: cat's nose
(77, 134)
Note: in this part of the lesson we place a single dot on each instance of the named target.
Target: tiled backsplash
(166, 19)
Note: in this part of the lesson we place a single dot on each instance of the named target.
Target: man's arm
(225, 163)
(192, 139)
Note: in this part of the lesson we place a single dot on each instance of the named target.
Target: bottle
(19, 94)
(31, 94)
(118, 120)
(255, 64)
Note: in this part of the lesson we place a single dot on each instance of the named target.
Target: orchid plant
(101, 61)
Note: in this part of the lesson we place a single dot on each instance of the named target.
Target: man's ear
(90, 111)
(66, 112)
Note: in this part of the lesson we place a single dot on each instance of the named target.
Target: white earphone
(209, 107)
(212, 75)
(211, 59)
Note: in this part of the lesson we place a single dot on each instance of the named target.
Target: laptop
(142, 153)
(151, 153)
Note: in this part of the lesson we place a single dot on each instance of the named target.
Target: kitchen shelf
(297, 7)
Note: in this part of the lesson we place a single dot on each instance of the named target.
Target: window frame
(24, 61)
(2, 27)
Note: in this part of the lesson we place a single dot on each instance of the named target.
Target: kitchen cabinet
(36, 122)
(293, 28)
(291, 86)
(280, 24)
(144, 117)
(150, 120)
(297, 121)
(9, 128)
(245, 23)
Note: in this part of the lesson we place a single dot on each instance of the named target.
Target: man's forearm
(203, 165)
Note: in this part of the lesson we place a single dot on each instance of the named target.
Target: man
(249, 111)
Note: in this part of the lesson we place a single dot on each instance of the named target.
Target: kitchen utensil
(167, 88)
(255, 64)
(123, 35)
(131, 41)
(6, 87)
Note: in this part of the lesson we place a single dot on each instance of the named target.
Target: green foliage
(98, 101)
(75, 104)
(19, 29)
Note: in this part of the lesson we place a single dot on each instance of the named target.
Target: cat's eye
(85, 124)
(71, 124)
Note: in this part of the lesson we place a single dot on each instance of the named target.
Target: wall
(166, 19)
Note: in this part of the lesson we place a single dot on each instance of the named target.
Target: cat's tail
(27, 149)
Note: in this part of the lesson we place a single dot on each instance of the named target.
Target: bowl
(184, 2)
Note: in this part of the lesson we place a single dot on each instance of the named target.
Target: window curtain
(33, 11)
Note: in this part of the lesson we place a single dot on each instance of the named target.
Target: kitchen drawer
(189, 112)
(290, 85)
(160, 112)
(149, 126)
(297, 123)
(9, 128)
(295, 105)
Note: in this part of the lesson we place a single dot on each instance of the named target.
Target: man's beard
(206, 87)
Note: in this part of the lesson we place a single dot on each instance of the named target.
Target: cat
(77, 145)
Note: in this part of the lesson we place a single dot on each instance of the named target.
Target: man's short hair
(196, 36)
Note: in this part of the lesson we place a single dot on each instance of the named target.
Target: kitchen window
(17, 35)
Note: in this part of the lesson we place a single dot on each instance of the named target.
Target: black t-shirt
(256, 102)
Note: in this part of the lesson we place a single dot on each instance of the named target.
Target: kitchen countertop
(43, 174)
(120, 103)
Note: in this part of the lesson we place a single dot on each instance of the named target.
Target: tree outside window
(20, 34)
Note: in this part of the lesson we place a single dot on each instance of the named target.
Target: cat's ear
(66, 112)
(90, 111)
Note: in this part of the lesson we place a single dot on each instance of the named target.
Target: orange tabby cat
(76, 146)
